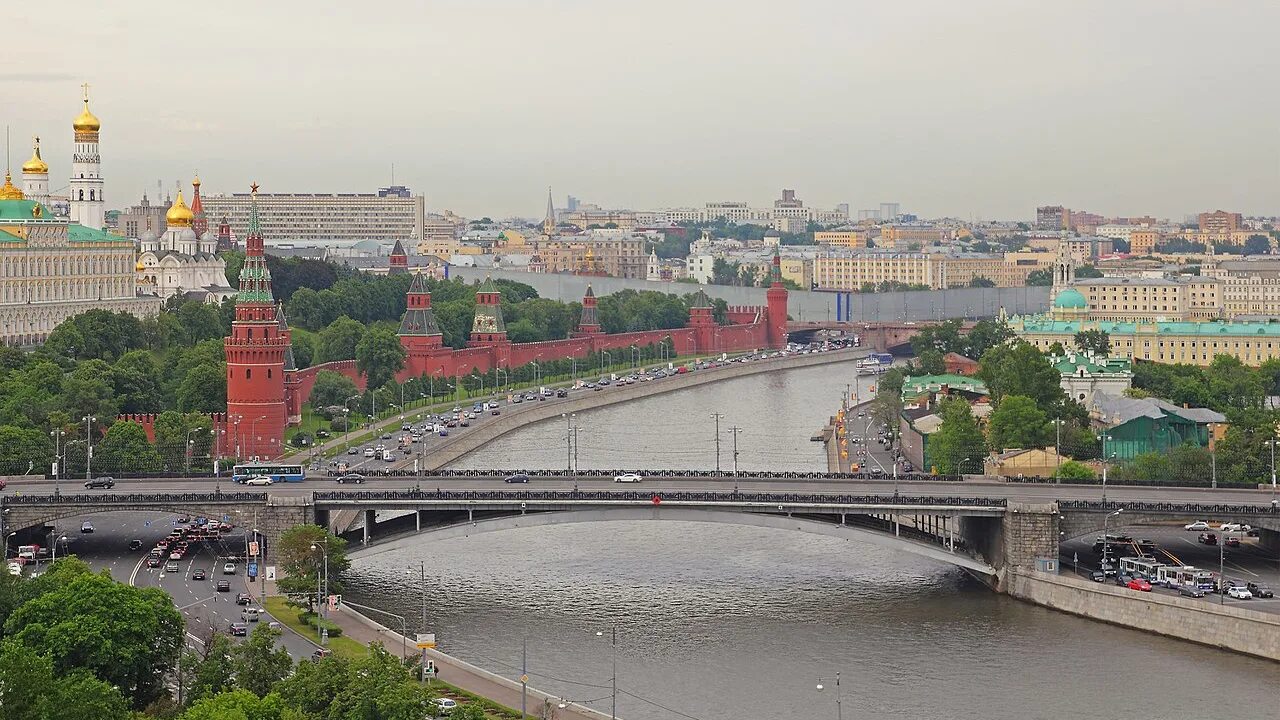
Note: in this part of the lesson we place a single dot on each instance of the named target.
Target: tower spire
(549, 222)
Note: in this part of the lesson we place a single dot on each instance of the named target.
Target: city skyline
(982, 111)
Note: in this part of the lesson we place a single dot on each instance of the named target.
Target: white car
(258, 480)
(1239, 593)
(368, 452)
(1198, 525)
(627, 478)
(1234, 527)
(229, 569)
(445, 705)
(15, 568)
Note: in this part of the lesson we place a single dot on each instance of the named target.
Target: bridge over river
(985, 528)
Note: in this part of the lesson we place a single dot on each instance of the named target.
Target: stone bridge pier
(1026, 534)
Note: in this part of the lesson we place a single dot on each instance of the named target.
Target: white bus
(1173, 576)
(1144, 568)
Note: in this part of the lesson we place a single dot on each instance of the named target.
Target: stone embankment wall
(1199, 620)
(587, 399)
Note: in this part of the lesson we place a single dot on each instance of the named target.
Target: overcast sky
(972, 108)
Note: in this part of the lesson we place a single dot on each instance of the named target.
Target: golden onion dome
(86, 121)
(36, 164)
(9, 191)
(179, 214)
(139, 266)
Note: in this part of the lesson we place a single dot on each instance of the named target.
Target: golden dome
(179, 215)
(86, 121)
(36, 164)
(8, 191)
(139, 266)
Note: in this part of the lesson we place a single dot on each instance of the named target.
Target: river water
(721, 622)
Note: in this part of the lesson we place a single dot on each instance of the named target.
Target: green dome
(1070, 299)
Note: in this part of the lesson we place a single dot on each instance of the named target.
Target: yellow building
(900, 236)
(1143, 241)
(852, 271)
(797, 270)
(843, 238)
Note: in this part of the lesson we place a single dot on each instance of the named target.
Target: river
(725, 623)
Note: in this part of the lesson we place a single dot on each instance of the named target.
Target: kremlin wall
(266, 390)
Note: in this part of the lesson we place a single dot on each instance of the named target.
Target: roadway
(203, 608)
(1247, 563)
(1015, 492)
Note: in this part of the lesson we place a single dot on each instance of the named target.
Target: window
(248, 373)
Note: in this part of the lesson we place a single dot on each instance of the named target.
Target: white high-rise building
(88, 207)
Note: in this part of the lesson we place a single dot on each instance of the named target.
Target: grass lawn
(280, 609)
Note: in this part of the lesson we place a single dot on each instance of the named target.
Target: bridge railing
(1210, 509)
(711, 496)
(694, 474)
(132, 498)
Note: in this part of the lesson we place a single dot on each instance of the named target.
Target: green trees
(1018, 423)
(1257, 245)
(258, 663)
(332, 388)
(1088, 271)
(1075, 470)
(30, 690)
(1020, 369)
(300, 563)
(127, 637)
(982, 282)
(958, 445)
(1096, 341)
(379, 355)
(126, 448)
(338, 340)
(1040, 278)
(946, 338)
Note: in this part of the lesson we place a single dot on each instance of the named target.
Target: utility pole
(717, 416)
(735, 430)
(524, 676)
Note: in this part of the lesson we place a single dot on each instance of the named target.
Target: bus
(1173, 576)
(277, 473)
(1144, 568)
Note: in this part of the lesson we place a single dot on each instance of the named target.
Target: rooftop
(1039, 324)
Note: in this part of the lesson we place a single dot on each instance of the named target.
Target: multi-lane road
(202, 606)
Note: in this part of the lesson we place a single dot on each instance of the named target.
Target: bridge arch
(684, 514)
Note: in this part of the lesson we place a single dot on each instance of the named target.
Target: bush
(316, 623)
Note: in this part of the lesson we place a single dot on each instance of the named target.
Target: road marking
(198, 602)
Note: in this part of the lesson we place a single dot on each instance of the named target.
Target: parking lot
(1176, 546)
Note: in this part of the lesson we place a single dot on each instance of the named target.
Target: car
(153, 561)
(353, 451)
(1098, 576)
(1207, 539)
(1190, 591)
(1239, 592)
(1138, 584)
(368, 452)
(351, 478)
(101, 482)
(1231, 541)
(322, 433)
(562, 393)
(258, 480)
(239, 629)
(229, 569)
(518, 478)
(1122, 579)
(495, 411)
(198, 574)
(251, 614)
(444, 432)
(320, 653)
(135, 544)
(445, 705)
(175, 555)
(1198, 525)
(243, 598)
(15, 568)
(517, 399)
(224, 586)
(385, 436)
(171, 567)
(1233, 527)
(86, 527)
(627, 478)
(1259, 590)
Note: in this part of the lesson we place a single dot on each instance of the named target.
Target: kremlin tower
(87, 204)
(256, 355)
(399, 261)
(776, 305)
(589, 321)
(199, 222)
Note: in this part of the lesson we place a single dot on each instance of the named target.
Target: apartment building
(388, 215)
(1220, 222)
(848, 239)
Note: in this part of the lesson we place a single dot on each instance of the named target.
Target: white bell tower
(87, 204)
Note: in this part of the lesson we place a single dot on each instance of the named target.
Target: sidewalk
(458, 673)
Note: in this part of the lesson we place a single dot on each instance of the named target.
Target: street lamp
(613, 635)
(320, 611)
(1105, 438)
(820, 687)
(89, 420)
(1057, 450)
(346, 417)
(54, 558)
(1106, 541)
(57, 457)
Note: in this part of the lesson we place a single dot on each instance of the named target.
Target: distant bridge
(882, 337)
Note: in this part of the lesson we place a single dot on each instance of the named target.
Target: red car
(1139, 584)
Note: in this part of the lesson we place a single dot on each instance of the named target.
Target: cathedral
(183, 260)
(50, 268)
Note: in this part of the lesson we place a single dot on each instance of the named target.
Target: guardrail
(752, 475)
(133, 498)
(1213, 509)
(731, 497)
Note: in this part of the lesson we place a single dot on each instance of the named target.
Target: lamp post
(613, 640)
(253, 430)
(820, 688)
(324, 631)
(54, 557)
(89, 420)
(6, 541)
(717, 416)
(537, 372)
(1106, 541)
(1272, 443)
(346, 417)
(1057, 450)
(1105, 438)
(57, 457)
(735, 430)
(569, 432)
(237, 420)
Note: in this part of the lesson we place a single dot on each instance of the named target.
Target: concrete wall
(802, 304)
(444, 454)
(1226, 626)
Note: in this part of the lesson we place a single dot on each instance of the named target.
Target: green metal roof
(9, 237)
(21, 210)
(1070, 364)
(1070, 298)
(80, 233)
(1041, 325)
(913, 386)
